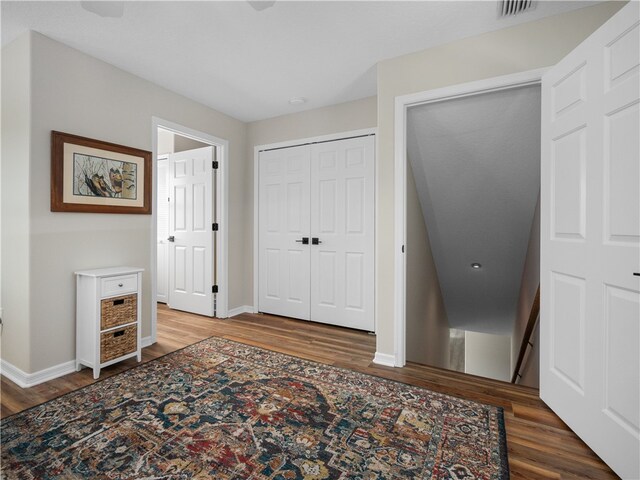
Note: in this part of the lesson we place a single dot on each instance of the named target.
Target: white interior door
(590, 249)
(163, 231)
(190, 225)
(342, 221)
(283, 223)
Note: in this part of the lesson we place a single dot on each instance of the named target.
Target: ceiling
(476, 164)
(249, 63)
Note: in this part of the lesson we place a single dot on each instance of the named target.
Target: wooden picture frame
(93, 176)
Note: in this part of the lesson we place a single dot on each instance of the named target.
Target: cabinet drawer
(119, 285)
(116, 311)
(116, 343)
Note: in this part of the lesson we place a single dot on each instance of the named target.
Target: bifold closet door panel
(284, 266)
(342, 219)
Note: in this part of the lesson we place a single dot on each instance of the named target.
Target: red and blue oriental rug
(223, 410)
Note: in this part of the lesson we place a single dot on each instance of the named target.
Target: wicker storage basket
(116, 343)
(118, 311)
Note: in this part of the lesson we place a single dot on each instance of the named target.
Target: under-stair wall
(427, 324)
(528, 288)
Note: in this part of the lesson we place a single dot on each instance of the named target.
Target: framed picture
(99, 177)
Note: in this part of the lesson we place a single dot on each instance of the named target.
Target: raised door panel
(180, 269)
(622, 331)
(622, 176)
(199, 207)
(568, 324)
(180, 206)
(568, 184)
(271, 288)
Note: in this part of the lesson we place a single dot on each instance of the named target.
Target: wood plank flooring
(540, 445)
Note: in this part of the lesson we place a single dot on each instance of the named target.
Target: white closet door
(163, 231)
(190, 223)
(590, 241)
(342, 219)
(283, 222)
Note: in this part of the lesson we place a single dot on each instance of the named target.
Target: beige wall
(524, 47)
(487, 355)
(75, 93)
(427, 324)
(16, 117)
(182, 144)
(320, 121)
(169, 142)
(165, 142)
(343, 117)
(528, 285)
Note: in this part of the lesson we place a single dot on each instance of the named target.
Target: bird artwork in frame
(99, 177)
(103, 177)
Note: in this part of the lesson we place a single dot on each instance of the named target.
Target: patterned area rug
(223, 410)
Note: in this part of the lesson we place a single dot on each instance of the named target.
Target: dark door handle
(315, 241)
(172, 238)
(304, 241)
(637, 274)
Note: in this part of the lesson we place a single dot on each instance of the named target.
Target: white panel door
(590, 250)
(162, 251)
(283, 223)
(190, 225)
(342, 221)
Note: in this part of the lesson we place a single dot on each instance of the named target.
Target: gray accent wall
(427, 324)
(476, 162)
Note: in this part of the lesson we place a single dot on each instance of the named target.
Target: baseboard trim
(237, 311)
(384, 359)
(26, 380)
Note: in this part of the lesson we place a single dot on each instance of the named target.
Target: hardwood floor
(540, 445)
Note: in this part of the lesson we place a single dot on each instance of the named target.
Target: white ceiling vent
(513, 7)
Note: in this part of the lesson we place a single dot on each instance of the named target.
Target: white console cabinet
(108, 311)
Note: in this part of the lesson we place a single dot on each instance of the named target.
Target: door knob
(637, 274)
(315, 241)
(304, 241)
(172, 238)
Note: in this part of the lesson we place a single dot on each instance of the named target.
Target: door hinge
(214, 226)
(214, 289)
(214, 164)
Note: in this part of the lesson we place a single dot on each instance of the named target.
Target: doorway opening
(189, 241)
(469, 225)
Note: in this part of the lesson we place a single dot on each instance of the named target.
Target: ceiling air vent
(513, 7)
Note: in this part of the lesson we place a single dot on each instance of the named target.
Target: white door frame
(222, 155)
(155, 212)
(402, 104)
(256, 190)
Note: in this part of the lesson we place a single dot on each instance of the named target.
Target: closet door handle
(304, 241)
(315, 241)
